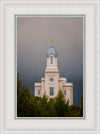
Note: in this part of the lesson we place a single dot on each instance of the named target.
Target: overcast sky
(33, 41)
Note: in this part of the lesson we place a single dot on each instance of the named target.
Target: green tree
(32, 106)
(42, 106)
(67, 110)
(19, 83)
(74, 110)
(60, 104)
(51, 110)
(22, 101)
(25, 101)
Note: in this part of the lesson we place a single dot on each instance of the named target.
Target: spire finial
(51, 41)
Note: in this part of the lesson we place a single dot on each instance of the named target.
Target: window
(51, 91)
(51, 60)
(64, 92)
(38, 92)
(51, 79)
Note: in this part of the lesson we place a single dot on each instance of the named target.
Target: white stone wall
(69, 93)
(49, 84)
(58, 83)
(37, 88)
(49, 65)
(42, 87)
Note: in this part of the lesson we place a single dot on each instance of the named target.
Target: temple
(52, 82)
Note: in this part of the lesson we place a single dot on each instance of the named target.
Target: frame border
(96, 127)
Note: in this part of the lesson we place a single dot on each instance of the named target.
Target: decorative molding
(89, 123)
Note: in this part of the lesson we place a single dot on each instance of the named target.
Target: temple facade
(52, 82)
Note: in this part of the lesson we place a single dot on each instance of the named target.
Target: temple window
(51, 59)
(51, 91)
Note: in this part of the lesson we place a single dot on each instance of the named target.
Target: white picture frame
(91, 122)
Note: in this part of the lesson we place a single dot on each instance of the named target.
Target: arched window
(51, 79)
(51, 59)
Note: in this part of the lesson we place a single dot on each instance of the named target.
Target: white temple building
(51, 83)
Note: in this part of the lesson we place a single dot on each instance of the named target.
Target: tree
(51, 111)
(19, 83)
(42, 106)
(23, 101)
(74, 110)
(60, 104)
(32, 106)
(67, 110)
